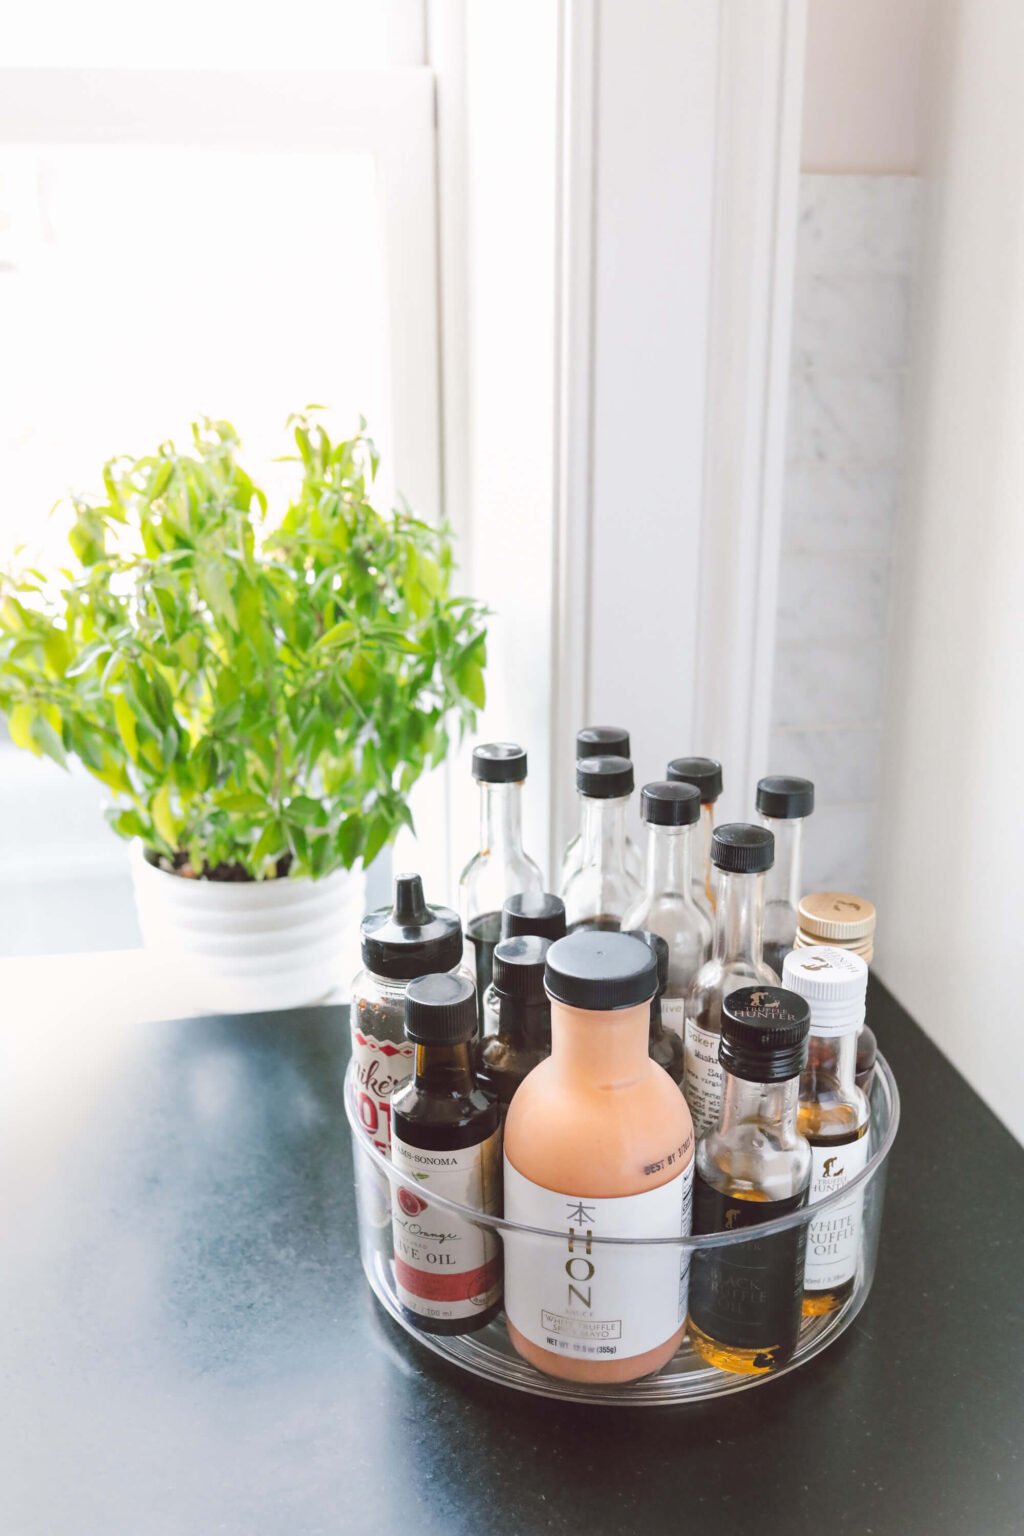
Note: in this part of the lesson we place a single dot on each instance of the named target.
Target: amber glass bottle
(444, 1134)
(521, 1036)
(755, 1167)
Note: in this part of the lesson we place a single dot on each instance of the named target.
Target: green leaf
(245, 804)
(124, 719)
(163, 817)
(45, 736)
(19, 726)
(349, 840)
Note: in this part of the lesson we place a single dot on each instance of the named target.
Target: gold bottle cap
(837, 917)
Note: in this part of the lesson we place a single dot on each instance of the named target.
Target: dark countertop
(187, 1343)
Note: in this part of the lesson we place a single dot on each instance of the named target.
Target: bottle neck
(602, 1049)
(444, 1070)
(669, 867)
(527, 1026)
(707, 826)
(782, 882)
(603, 832)
(739, 917)
(831, 1065)
(765, 1103)
(501, 826)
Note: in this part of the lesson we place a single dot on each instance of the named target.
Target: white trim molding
(679, 167)
(756, 195)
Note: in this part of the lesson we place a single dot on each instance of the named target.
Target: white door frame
(696, 660)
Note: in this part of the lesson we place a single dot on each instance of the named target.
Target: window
(178, 242)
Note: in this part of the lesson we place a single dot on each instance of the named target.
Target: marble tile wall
(855, 257)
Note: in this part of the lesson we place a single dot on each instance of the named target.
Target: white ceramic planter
(252, 946)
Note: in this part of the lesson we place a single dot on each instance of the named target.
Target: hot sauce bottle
(753, 1167)
(444, 1134)
(598, 1144)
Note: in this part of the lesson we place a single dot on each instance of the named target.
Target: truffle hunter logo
(830, 1172)
(579, 1266)
(762, 1000)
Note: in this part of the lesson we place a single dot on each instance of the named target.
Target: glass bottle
(501, 868)
(445, 1135)
(602, 889)
(397, 943)
(844, 921)
(742, 855)
(598, 1143)
(521, 1036)
(598, 741)
(671, 813)
(705, 774)
(663, 1045)
(834, 1117)
(530, 912)
(783, 803)
(754, 1167)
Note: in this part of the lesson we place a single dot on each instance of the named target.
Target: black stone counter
(187, 1343)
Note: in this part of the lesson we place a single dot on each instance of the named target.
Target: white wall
(951, 849)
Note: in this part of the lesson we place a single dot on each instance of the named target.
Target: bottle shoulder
(755, 1158)
(437, 1121)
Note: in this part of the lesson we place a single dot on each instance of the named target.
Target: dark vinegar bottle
(445, 1136)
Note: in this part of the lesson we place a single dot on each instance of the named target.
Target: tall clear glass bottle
(753, 1167)
(671, 814)
(598, 741)
(783, 804)
(501, 868)
(834, 1116)
(742, 855)
(663, 1045)
(602, 889)
(705, 774)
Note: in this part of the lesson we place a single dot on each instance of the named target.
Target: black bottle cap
(604, 778)
(764, 1034)
(659, 949)
(783, 796)
(602, 741)
(410, 939)
(742, 849)
(703, 772)
(440, 1010)
(591, 969)
(670, 805)
(499, 762)
(541, 914)
(519, 967)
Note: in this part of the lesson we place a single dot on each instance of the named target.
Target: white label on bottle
(588, 1300)
(446, 1267)
(673, 1014)
(381, 1067)
(702, 1081)
(834, 1242)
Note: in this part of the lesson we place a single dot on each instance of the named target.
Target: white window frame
(386, 112)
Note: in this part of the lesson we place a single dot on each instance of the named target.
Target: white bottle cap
(834, 982)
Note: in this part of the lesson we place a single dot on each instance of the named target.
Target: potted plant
(258, 694)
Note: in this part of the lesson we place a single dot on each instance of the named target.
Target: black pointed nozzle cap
(541, 914)
(786, 797)
(519, 967)
(410, 939)
(440, 1010)
(742, 849)
(499, 762)
(665, 804)
(605, 777)
(600, 971)
(602, 741)
(659, 949)
(764, 1034)
(703, 772)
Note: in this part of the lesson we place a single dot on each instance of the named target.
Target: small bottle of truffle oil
(745, 1298)
(444, 1134)
(834, 1116)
